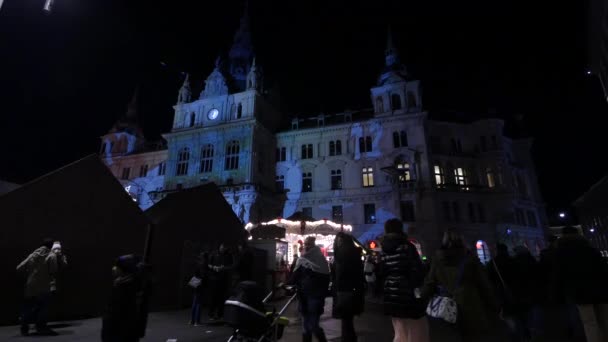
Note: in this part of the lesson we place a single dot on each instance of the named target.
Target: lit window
(483, 252)
(280, 182)
(281, 154)
(306, 151)
(461, 177)
(126, 173)
(368, 176)
(232, 155)
(439, 175)
(206, 158)
(336, 213)
(183, 156)
(491, 178)
(336, 179)
(404, 172)
(369, 211)
(307, 182)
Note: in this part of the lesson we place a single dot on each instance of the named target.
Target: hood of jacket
(314, 260)
(391, 242)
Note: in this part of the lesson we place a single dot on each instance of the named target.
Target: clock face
(213, 114)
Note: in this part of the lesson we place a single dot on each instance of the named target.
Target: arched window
(483, 252)
(191, 120)
(239, 111)
(232, 155)
(183, 156)
(332, 148)
(338, 147)
(411, 99)
(396, 101)
(206, 158)
(379, 104)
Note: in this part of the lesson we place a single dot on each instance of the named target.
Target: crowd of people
(515, 296)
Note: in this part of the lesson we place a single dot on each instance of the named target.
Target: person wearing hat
(311, 277)
(120, 323)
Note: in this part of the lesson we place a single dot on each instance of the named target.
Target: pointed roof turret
(254, 77)
(241, 52)
(393, 69)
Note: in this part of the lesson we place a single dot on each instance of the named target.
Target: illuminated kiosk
(289, 234)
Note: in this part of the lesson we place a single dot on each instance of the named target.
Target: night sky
(67, 77)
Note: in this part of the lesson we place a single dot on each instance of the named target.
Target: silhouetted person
(40, 267)
(458, 273)
(403, 273)
(244, 263)
(220, 280)
(122, 320)
(201, 272)
(311, 277)
(580, 281)
(348, 288)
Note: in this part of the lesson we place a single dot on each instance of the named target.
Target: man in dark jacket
(581, 279)
(244, 263)
(403, 274)
(122, 320)
(311, 276)
(220, 279)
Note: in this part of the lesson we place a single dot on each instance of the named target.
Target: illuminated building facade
(359, 167)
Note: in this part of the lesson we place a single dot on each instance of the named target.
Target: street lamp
(562, 215)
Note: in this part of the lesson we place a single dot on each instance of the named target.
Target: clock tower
(226, 134)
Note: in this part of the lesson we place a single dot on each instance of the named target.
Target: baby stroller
(246, 313)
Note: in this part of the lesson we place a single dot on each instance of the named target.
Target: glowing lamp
(562, 215)
(509, 231)
(373, 245)
(592, 230)
(479, 245)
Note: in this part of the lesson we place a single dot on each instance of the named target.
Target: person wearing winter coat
(579, 281)
(201, 272)
(220, 280)
(311, 277)
(347, 284)
(477, 307)
(403, 273)
(40, 267)
(122, 321)
(369, 270)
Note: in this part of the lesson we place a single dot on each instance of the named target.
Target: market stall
(291, 233)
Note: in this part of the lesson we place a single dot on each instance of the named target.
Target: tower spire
(391, 57)
(184, 92)
(241, 52)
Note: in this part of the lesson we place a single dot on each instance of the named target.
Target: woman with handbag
(347, 284)
(403, 273)
(198, 284)
(457, 276)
